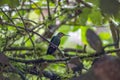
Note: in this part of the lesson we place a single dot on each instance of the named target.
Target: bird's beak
(66, 35)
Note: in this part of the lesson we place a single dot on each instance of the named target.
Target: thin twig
(26, 30)
(39, 8)
(7, 16)
(48, 6)
(11, 25)
(26, 20)
(62, 59)
(73, 50)
(20, 48)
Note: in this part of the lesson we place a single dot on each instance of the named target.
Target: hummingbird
(56, 41)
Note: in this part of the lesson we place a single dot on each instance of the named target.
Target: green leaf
(96, 17)
(58, 68)
(48, 57)
(37, 11)
(35, 17)
(64, 28)
(75, 28)
(84, 29)
(105, 35)
(84, 16)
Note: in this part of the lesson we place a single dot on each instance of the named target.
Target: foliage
(26, 27)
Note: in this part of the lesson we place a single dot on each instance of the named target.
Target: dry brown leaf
(3, 59)
(94, 40)
(107, 68)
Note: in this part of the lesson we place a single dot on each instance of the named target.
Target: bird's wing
(55, 41)
(51, 49)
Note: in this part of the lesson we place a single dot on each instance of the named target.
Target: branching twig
(7, 16)
(39, 8)
(48, 6)
(62, 59)
(73, 50)
(34, 33)
(26, 30)
(20, 48)
(18, 72)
